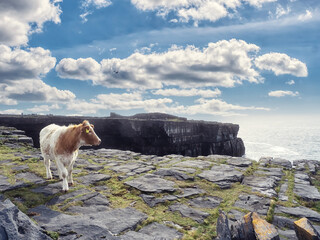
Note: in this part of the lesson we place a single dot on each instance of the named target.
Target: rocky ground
(126, 195)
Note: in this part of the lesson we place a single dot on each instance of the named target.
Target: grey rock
(312, 167)
(93, 178)
(131, 235)
(235, 215)
(194, 164)
(151, 183)
(27, 140)
(93, 167)
(49, 189)
(187, 170)
(259, 182)
(277, 173)
(282, 192)
(20, 168)
(283, 222)
(161, 232)
(5, 185)
(173, 173)
(275, 161)
(30, 177)
(239, 162)
(101, 224)
(186, 211)
(253, 203)
(287, 234)
(223, 231)
(205, 202)
(307, 192)
(60, 199)
(14, 224)
(222, 175)
(299, 212)
(151, 201)
(188, 192)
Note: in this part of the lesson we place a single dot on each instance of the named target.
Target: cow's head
(88, 136)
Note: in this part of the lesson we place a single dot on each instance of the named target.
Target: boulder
(223, 231)
(14, 224)
(263, 230)
(305, 230)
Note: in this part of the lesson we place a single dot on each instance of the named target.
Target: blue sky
(202, 59)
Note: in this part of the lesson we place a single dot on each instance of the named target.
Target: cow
(61, 143)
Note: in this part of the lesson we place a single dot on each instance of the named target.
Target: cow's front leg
(70, 179)
(64, 175)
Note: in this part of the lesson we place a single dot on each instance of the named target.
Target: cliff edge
(154, 133)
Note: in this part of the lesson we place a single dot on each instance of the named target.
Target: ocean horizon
(288, 140)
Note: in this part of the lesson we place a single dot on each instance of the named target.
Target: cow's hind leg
(47, 165)
(64, 175)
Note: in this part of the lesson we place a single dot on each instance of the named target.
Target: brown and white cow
(61, 143)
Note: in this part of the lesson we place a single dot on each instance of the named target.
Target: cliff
(158, 134)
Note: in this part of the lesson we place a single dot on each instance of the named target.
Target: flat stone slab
(49, 189)
(60, 199)
(239, 162)
(173, 173)
(188, 192)
(299, 212)
(20, 168)
(205, 202)
(136, 236)
(306, 192)
(5, 185)
(30, 177)
(151, 183)
(69, 226)
(93, 178)
(221, 175)
(186, 211)
(259, 182)
(106, 223)
(160, 231)
(194, 164)
(282, 192)
(253, 203)
(151, 201)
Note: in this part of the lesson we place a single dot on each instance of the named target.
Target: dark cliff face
(159, 137)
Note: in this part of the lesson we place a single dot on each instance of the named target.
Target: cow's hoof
(64, 191)
(70, 184)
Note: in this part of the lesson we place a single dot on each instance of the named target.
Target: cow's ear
(85, 129)
(92, 125)
(85, 122)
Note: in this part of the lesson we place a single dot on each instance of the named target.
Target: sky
(217, 60)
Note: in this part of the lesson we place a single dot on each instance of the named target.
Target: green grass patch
(53, 235)
(250, 170)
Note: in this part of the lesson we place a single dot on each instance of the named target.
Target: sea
(291, 140)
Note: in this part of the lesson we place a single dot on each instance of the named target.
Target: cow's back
(47, 135)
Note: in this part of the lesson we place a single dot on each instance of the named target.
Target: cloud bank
(281, 93)
(19, 19)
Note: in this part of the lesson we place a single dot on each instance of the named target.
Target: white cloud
(281, 63)
(89, 5)
(81, 69)
(194, 9)
(291, 82)
(205, 93)
(224, 63)
(11, 111)
(96, 3)
(34, 90)
(281, 93)
(18, 64)
(43, 108)
(280, 11)
(135, 100)
(306, 16)
(19, 19)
